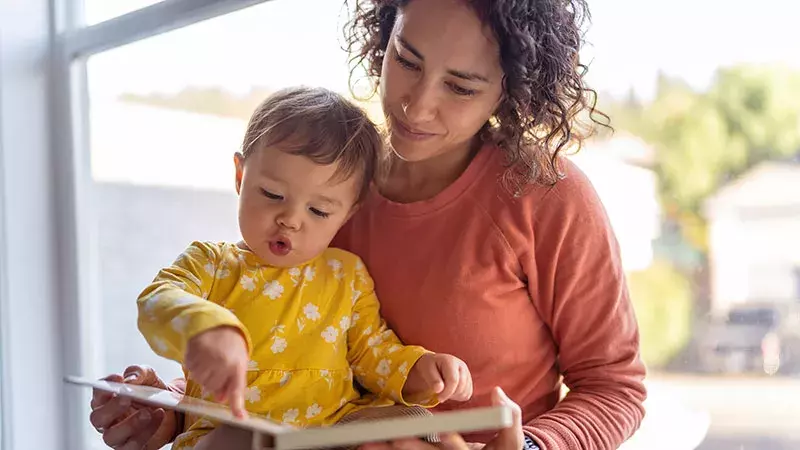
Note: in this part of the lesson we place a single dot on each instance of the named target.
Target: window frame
(44, 47)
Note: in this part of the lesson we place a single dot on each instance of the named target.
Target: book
(286, 437)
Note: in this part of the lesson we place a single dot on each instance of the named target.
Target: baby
(279, 324)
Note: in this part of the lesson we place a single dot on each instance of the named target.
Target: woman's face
(441, 78)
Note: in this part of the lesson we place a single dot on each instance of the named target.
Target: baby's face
(290, 208)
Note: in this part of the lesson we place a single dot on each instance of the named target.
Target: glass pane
(166, 115)
(96, 11)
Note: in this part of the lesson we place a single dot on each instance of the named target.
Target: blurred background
(701, 179)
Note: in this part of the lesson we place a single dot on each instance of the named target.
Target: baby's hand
(444, 375)
(217, 359)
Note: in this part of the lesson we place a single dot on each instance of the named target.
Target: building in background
(754, 237)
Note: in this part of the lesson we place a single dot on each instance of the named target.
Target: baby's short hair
(321, 125)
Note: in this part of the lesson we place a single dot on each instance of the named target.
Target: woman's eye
(406, 64)
(270, 195)
(319, 212)
(461, 91)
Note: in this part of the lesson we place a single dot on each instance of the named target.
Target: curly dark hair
(546, 101)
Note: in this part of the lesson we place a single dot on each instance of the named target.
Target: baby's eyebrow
(329, 200)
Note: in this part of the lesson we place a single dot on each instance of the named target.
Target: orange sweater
(524, 290)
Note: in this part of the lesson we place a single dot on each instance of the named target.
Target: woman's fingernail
(144, 416)
(131, 377)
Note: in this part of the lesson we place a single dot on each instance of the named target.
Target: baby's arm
(179, 323)
(408, 374)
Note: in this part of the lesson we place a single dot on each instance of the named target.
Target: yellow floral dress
(310, 330)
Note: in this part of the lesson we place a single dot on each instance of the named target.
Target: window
(165, 116)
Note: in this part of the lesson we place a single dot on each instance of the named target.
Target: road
(745, 412)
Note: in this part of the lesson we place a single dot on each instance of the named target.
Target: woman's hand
(132, 426)
(510, 438)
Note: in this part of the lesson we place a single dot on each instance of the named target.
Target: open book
(285, 437)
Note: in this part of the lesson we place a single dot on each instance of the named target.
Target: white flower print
(336, 266)
(151, 303)
(285, 378)
(160, 345)
(384, 368)
(313, 411)
(326, 375)
(300, 324)
(367, 331)
(330, 334)
(393, 349)
(223, 273)
(344, 324)
(184, 300)
(180, 323)
(403, 369)
(356, 316)
(290, 416)
(210, 269)
(252, 365)
(311, 311)
(248, 283)
(252, 394)
(309, 273)
(278, 345)
(278, 329)
(375, 340)
(273, 290)
(294, 274)
(359, 264)
(381, 383)
(355, 292)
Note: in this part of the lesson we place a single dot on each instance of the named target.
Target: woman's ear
(238, 161)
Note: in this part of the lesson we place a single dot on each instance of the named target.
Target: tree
(704, 139)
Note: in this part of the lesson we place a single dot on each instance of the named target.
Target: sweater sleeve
(578, 286)
(380, 362)
(174, 307)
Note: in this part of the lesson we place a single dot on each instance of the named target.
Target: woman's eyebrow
(464, 75)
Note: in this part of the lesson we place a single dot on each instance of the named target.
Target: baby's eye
(319, 212)
(270, 195)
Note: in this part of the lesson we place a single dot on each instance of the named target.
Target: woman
(483, 242)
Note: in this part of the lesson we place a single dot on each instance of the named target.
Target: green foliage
(705, 139)
(662, 299)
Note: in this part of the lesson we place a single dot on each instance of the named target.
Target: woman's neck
(414, 181)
